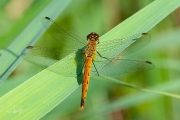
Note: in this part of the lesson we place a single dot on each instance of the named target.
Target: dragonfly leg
(98, 42)
(95, 67)
(102, 56)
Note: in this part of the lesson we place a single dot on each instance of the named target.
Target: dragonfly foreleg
(102, 56)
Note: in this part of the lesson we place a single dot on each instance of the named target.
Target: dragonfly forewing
(63, 36)
(137, 45)
(123, 46)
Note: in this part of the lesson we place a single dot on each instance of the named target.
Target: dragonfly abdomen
(85, 81)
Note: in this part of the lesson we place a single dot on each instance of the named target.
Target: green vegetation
(30, 94)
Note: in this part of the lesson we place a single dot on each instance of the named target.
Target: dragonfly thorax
(90, 48)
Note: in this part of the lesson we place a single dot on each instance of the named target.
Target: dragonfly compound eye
(93, 35)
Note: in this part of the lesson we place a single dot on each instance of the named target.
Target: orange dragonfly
(92, 52)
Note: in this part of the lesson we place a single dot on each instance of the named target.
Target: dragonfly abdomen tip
(82, 104)
(81, 108)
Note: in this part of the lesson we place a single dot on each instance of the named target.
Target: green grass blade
(12, 56)
(44, 91)
(134, 99)
(143, 20)
(115, 81)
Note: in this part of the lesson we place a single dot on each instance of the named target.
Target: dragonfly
(98, 58)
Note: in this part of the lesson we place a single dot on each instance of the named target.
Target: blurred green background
(82, 17)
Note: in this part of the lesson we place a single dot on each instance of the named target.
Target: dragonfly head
(93, 36)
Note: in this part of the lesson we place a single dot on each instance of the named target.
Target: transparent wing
(123, 46)
(72, 65)
(45, 57)
(63, 36)
(42, 57)
(120, 66)
(49, 58)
